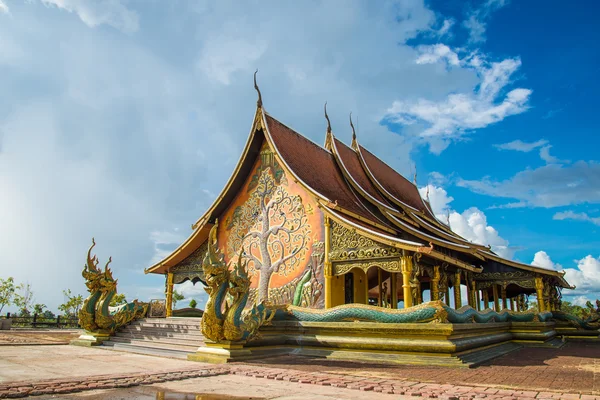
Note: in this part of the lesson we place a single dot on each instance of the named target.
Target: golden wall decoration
(347, 244)
(277, 222)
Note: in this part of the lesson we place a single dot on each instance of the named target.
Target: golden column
(512, 303)
(539, 288)
(486, 300)
(169, 294)
(327, 265)
(503, 293)
(472, 292)
(394, 289)
(457, 294)
(407, 266)
(496, 302)
(380, 299)
(435, 284)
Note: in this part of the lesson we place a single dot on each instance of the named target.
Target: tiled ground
(572, 372)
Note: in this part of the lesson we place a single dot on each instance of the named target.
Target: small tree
(177, 297)
(39, 308)
(24, 299)
(49, 315)
(72, 305)
(117, 300)
(193, 303)
(7, 291)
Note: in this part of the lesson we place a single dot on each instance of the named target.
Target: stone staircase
(165, 337)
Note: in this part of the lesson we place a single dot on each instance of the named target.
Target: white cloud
(551, 185)
(98, 12)
(549, 159)
(471, 224)
(446, 26)
(434, 53)
(569, 214)
(3, 8)
(586, 277)
(459, 113)
(542, 259)
(476, 23)
(518, 145)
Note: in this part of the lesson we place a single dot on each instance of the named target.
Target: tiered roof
(356, 188)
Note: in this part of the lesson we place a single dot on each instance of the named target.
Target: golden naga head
(90, 272)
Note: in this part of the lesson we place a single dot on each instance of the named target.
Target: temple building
(321, 226)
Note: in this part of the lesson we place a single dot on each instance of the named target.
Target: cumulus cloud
(3, 7)
(549, 159)
(471, 224)
(551, 185)
(586, 276)
(476, 22)
(542, 259)
(518, 145)
(569, 214)
(99, 12)
(461, 112)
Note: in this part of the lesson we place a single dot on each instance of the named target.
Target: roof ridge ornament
(327, 118)
(329, 135)
(259, 101)
(354, 141)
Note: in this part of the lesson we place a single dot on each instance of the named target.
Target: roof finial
(352, 125)
(415, 176)
(259, 101)
(448, 217)
(327, 117)
(427, 193)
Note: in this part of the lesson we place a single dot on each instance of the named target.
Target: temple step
(479, 356)
(165, 337)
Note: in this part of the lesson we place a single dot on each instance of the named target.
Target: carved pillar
(539, 288)
(472, 293)
(512, 303)
(394, 289)
(457, 294)
(435, 282)
(486, 300)
(169, 294)
(503, 293)
(327, 265)
(496, 301)
(407, 266)
(379, 298)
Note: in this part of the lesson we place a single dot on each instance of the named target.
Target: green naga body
(92, 276)
(110, 320)
(234, 323)
(95, 314)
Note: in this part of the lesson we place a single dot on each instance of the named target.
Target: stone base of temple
(453, 345)
(225, 352)
(568, 332)
(88, 339)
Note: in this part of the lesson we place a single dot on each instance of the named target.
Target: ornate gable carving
(191, 267)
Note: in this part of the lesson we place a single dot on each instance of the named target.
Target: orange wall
(244, 216)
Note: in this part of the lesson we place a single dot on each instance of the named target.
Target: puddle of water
(200, 396)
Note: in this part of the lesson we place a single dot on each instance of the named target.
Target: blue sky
(123, 119)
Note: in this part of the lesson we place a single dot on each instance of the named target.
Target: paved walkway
(575, 367)
(53, 370)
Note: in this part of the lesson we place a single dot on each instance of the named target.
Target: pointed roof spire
(329, 136)
(415, 176)
(259, 101)
(354, 142)
(427, 193)
(327, 118)
(448, 217)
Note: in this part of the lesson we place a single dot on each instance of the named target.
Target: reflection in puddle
(200, 396)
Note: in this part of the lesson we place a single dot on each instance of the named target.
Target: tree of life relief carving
(272, 227)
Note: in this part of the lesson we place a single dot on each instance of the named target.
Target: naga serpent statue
(225, 319)
(96, 315)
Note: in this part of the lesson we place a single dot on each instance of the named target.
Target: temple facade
(322, 226)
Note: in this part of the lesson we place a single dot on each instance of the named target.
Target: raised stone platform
(443, 344)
